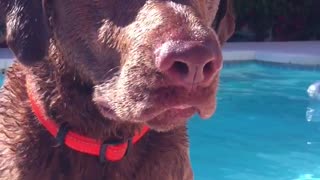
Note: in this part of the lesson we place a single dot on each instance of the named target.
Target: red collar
(105, 151)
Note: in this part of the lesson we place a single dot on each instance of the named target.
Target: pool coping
(299, 53)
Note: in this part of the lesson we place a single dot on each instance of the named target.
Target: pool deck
(303, 53)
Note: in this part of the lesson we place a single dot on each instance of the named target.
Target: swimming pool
(1, 79)
(260, 130)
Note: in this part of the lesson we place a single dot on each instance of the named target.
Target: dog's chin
(171, 119)
(163, 120)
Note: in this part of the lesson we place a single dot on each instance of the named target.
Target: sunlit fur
(99, 76)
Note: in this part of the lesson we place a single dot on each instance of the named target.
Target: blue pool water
(1, 79)
(260, 130)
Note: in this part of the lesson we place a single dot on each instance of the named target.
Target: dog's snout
(189, 63)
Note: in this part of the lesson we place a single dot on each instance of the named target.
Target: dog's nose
(189, 63)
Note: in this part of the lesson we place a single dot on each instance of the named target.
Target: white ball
(314, 90)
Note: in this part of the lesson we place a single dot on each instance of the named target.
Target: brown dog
(107, 71)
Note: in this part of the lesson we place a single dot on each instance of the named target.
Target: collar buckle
(104, 146)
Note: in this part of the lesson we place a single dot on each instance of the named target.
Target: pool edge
(294, 52)
(299, 53)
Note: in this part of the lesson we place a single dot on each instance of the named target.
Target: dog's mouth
(162, 118)
(161, 108)
(189, 108)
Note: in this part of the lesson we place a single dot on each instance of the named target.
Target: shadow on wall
(277, 20)
(2, 33)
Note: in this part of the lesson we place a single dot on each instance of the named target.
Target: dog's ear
(224, 23)
(27, 30)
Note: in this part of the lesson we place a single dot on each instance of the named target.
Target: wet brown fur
(93, 51)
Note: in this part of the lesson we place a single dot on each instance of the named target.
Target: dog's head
(150, 61)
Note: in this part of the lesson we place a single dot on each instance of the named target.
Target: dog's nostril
(180, 67)
(189, 63)
(208, 68)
